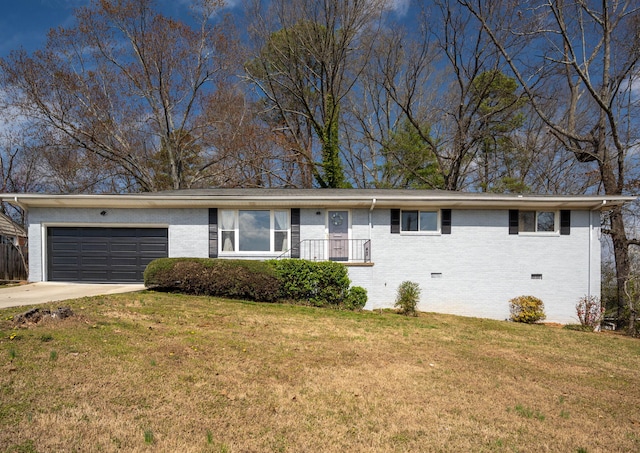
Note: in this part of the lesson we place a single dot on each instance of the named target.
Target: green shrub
(241, 279)
(527, 309)
(322, 284)
(356, 298)
(407, 298)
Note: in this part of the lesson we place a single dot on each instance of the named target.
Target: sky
(25, 23)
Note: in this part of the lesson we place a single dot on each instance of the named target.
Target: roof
(9, 228)
(317, 198)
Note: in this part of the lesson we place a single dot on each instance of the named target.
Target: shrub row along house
(469, 252)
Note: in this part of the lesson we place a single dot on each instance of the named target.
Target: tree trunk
(623, 266)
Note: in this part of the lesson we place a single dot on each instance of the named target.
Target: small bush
(241, 279)
(590, 312)
(407, 298)
(356, 298)
(321, 284)
(527, 309)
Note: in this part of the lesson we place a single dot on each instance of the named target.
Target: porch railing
(348, 250)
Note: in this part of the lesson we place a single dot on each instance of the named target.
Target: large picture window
(254, 230)
(419, 221)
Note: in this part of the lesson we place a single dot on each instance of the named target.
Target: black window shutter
(513, 221)
(565, 222)
(445, 228)
(395, 221)
(213, 232)
(295, 233)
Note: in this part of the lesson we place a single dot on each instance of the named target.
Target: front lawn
(160, 372)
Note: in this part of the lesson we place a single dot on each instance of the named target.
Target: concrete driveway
(42, 292)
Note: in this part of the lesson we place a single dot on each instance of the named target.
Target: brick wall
(476, 269)
(473, 271)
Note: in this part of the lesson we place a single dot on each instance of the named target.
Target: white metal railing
(349, 250)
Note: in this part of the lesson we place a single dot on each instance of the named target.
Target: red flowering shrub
(590, 311)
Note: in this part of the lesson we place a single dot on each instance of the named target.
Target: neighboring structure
(13, 253)
(11, 232)
(470, 252)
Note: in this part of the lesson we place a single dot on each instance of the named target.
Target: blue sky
(25, 23)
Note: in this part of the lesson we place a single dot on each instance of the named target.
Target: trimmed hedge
(319, 283)
(322, 284)
(240, 279)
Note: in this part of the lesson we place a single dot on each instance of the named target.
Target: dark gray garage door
(103, 254)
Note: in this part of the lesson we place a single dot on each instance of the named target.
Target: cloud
(400, 7)
(229, 4)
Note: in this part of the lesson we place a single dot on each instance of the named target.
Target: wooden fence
(12, 262)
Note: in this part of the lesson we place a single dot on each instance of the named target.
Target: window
(254, 230)
(281, 231)
(538, 222)
(419, 221)
(228, 231)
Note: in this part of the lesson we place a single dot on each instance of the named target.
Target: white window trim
(256, 253)
(436, 232)
(556, 224)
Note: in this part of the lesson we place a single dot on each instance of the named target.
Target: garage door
(103, 254)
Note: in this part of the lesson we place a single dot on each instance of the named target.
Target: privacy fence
(13, 261)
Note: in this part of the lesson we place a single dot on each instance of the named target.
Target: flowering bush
(526, 309)
(590, 311)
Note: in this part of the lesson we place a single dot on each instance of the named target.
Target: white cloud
(400, 7)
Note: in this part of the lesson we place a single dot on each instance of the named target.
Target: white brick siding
(188, 229)
(481, 265)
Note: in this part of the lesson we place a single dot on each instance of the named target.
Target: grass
(158, 372)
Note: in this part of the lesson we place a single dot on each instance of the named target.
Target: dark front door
(103, 254)
(339, 235)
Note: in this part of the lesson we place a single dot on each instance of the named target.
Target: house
(469, 252)
(12, 251)
(10, 232)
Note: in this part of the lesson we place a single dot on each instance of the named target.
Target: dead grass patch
(161, 372)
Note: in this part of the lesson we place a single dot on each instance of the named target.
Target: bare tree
(378, 134)
(308, 59)
(126, 85)
(585, 54)
(448, 83)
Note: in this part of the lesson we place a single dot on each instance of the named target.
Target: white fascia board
(318, 200)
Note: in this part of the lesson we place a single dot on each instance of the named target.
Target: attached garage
(88, 254)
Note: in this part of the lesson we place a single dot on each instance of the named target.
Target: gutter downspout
(599, 208)
(373, 204)
(371, 274)
(17, 202)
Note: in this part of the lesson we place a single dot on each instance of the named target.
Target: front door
(339, 235)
